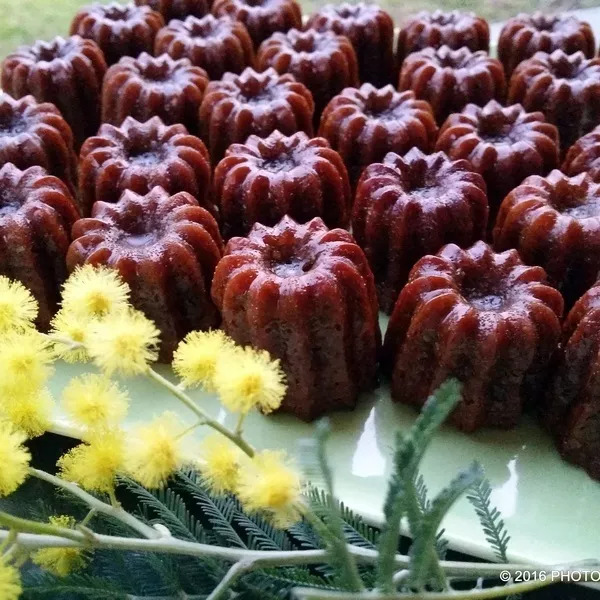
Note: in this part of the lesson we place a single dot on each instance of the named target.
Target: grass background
(24, 21)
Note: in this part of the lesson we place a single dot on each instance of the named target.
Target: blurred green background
(24, 21)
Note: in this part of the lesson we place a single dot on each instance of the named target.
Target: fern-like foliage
(90, 587)
(356, 530)
(426, 530)
(490, 518)
(166, 507)
(190, 512)
(441, 543)
(217, 512)
(408, 453)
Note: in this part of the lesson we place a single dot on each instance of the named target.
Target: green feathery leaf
(408, 454)
(78, 586)
(168, 508)
(422, 557)
(490, 519)
(218, 510)
(424, 505)
(331, 527)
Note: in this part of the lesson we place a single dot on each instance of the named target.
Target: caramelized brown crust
(450, 79)
(364, 124)
(76, 63)
(407, 207)
(572, 406)
(119, 29)
(554, 222)
(166, 248)
(504, 144)
(36, 215)
(217, 44)
(565, 87)
(324, 62)
(267, 178)
(481, 317)
(371, 32)
(176, 9)
(253, 103)
(140, 156)
(36, 134)
(584, 156)
(146, 87)
(455, 29)
(524, 35)
(262, 18)
(305, 294)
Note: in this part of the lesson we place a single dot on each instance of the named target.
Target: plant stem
(10, 555)
(202, 414)
(164, 545)
(8, 542)
(18, 524)
(262, 558)
(237, 570)
(117, 512)
(415, 516)
(239, 426)
(113, 498)
(476, 594)
(91, 514)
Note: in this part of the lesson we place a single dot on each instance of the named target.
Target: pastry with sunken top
(565, 87)
(305, 294)
(524, 35)
(450, 79)
(370, 30)
(166, 248)
(262, 18)
(217, 44)
(253, 103)
(37, 213)
(266, 178)
(505, 144)
(364, 124)
(148, 86)
(323, 61)
(409, 206)
(119, 29)
(483, 318)
(554, 222)
(35, 134)
(78, 64)
(140, 156)
(455, 29)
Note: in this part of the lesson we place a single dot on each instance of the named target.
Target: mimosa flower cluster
(96, 324)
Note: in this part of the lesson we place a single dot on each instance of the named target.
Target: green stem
(190, 429)
(332, 530)
(11, 555)
(239, 426)
(116, 512)
(8, 542)
(263, 558)
(477, 594)
(113, 498)
(91, 514)
(203, 415)
(414, 516)
(27, 526)
(236, 571)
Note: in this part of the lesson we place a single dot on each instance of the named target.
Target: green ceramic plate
(550, 507)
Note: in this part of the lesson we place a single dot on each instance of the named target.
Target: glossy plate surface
(551, 508)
